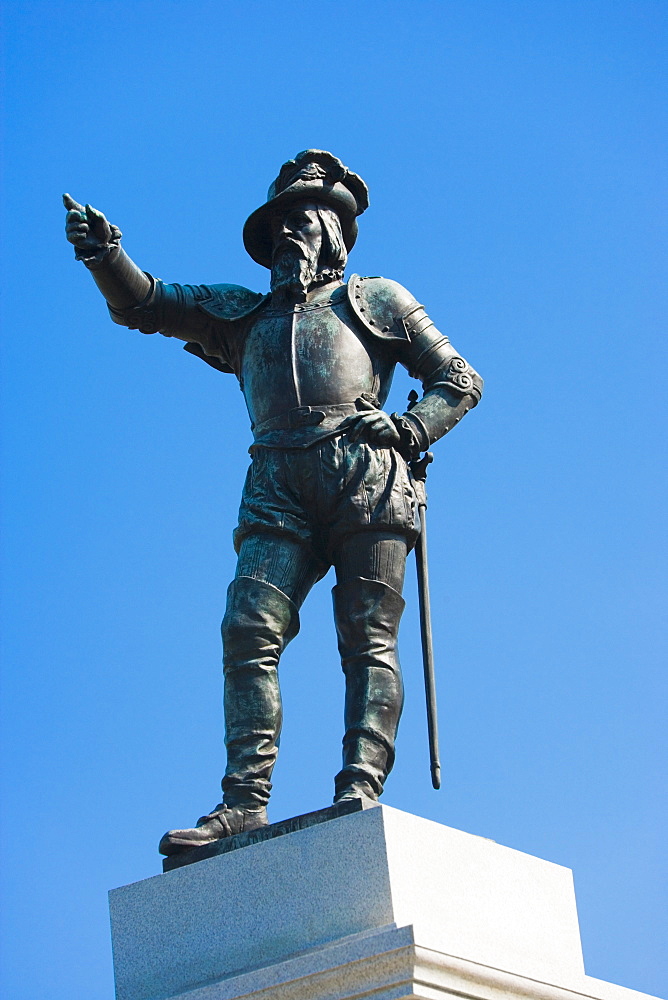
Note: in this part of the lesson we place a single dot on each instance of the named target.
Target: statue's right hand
(87, 228)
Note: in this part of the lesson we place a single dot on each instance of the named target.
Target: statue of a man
(329, 483)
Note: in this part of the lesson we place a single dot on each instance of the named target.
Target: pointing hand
(87, 228)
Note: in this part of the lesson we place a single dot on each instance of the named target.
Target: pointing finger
(94, 216)
(71, 204)
(98, 223)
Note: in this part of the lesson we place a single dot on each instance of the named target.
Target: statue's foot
(358, 790)
(224, 821)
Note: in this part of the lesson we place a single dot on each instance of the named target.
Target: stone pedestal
(376, 904)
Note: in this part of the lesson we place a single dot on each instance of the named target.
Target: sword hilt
(418, 466)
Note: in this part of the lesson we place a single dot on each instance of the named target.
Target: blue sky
(515, 158)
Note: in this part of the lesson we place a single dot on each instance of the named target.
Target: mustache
(288, 244)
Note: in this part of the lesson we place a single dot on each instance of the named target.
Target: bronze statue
(329, 482)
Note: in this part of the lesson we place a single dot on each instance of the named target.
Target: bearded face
(293, 268)
(307, 240)
(294, 263)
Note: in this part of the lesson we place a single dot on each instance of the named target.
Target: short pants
(322, 494)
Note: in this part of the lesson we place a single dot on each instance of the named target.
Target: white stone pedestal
(378, 904)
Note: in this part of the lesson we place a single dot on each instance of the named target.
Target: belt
(311, 416)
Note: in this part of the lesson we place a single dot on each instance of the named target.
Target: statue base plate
(264, 833)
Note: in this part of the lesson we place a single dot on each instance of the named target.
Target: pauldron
(384, 309)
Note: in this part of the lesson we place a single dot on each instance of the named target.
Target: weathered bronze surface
(330, 482)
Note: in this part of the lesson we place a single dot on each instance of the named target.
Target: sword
(419, 472)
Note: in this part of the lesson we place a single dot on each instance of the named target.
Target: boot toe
(216, 826)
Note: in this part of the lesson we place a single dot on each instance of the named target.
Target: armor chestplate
(300, 367)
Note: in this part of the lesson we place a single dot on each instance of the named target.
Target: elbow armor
(451, 386)
(434, 360)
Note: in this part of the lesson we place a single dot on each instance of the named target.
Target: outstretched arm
(138, 301)
(97, 243)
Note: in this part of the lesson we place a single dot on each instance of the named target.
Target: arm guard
(118, 278)
(205, 316)
(390, 314)
(451, 386)
(140, 302)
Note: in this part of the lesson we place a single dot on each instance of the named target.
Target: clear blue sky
(513, 151)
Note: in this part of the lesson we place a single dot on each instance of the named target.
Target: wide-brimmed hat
(313, 175)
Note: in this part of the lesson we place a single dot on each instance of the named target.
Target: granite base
(376, 904)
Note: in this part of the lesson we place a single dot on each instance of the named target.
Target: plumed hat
(313, 175)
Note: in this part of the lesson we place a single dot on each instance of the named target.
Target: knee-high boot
(367, 615)
(258, 624)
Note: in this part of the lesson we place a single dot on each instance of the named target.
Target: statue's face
(297, 235)
(301, 225)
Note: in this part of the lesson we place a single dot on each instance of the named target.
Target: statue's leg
(259, 622)
(368, 606)
(274, 574)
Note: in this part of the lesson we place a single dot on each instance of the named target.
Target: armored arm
(98, 244)
(451, 387)
(135, 299)
(206, 317)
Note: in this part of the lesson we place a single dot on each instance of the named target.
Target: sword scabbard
(419, 473)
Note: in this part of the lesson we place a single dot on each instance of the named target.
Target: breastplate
(308, 356)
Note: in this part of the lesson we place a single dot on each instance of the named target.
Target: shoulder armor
(222, 302)
(227, 302)
(383, 307)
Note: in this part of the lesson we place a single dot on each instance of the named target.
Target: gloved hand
(88, 230)
(374, 426)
